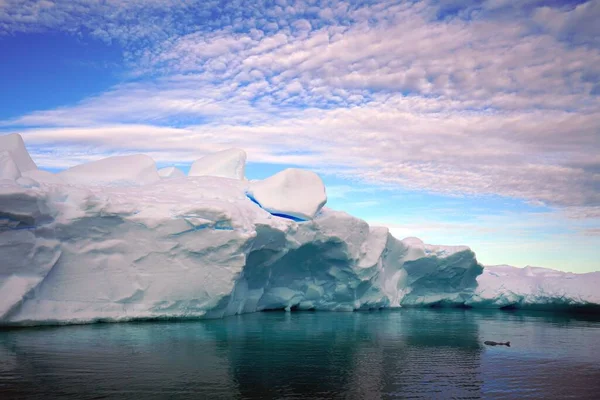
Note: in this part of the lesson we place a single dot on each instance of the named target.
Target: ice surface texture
(74, 250)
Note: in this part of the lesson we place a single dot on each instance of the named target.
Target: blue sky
(457, 122)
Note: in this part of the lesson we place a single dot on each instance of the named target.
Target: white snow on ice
(14, 144)
(8, 167)
(230, 163)
(138, 169)
(292, 192)
(535, 287)
(116, 242)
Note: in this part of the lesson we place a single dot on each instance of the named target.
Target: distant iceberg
(503, 286)
(115, 240)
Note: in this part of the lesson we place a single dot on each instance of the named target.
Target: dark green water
(390, 354)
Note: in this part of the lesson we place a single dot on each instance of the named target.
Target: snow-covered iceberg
(121, 244)
(503, 286)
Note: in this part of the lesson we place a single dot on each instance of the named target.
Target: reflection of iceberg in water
(410, 353)
(421, 353)
(290, 355)
(150, 360)
(360, 355)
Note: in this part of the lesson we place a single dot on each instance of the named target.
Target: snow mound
(291, 193)
(503, 286)
(230, 163)
(14, 144)
(8, 168)
(130, 170)
(170, 172)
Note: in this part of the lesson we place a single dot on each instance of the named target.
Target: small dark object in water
(492, 343)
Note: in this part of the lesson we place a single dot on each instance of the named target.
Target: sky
(459, 122)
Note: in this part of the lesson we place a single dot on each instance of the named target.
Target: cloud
(497, 227)
(592, 232)
(393, 93)
(347, 191)
(473, 154)
(578, 24)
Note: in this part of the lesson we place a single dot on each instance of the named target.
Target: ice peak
(14, 144)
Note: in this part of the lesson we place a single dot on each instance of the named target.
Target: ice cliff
(116, 240)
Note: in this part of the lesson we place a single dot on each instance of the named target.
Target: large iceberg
(103, 243)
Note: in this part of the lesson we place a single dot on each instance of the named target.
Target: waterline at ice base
(117, 239)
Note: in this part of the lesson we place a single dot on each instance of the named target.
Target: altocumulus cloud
(451, 97)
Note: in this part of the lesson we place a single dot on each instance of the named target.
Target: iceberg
(110, 243)
(504, 286)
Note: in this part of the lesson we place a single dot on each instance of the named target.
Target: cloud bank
(459, 98)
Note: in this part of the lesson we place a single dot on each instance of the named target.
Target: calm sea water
(407, 353)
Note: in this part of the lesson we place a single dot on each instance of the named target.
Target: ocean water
(408, 353)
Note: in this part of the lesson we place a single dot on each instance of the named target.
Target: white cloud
(383, 92)
(386, 142)
(579, 23)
